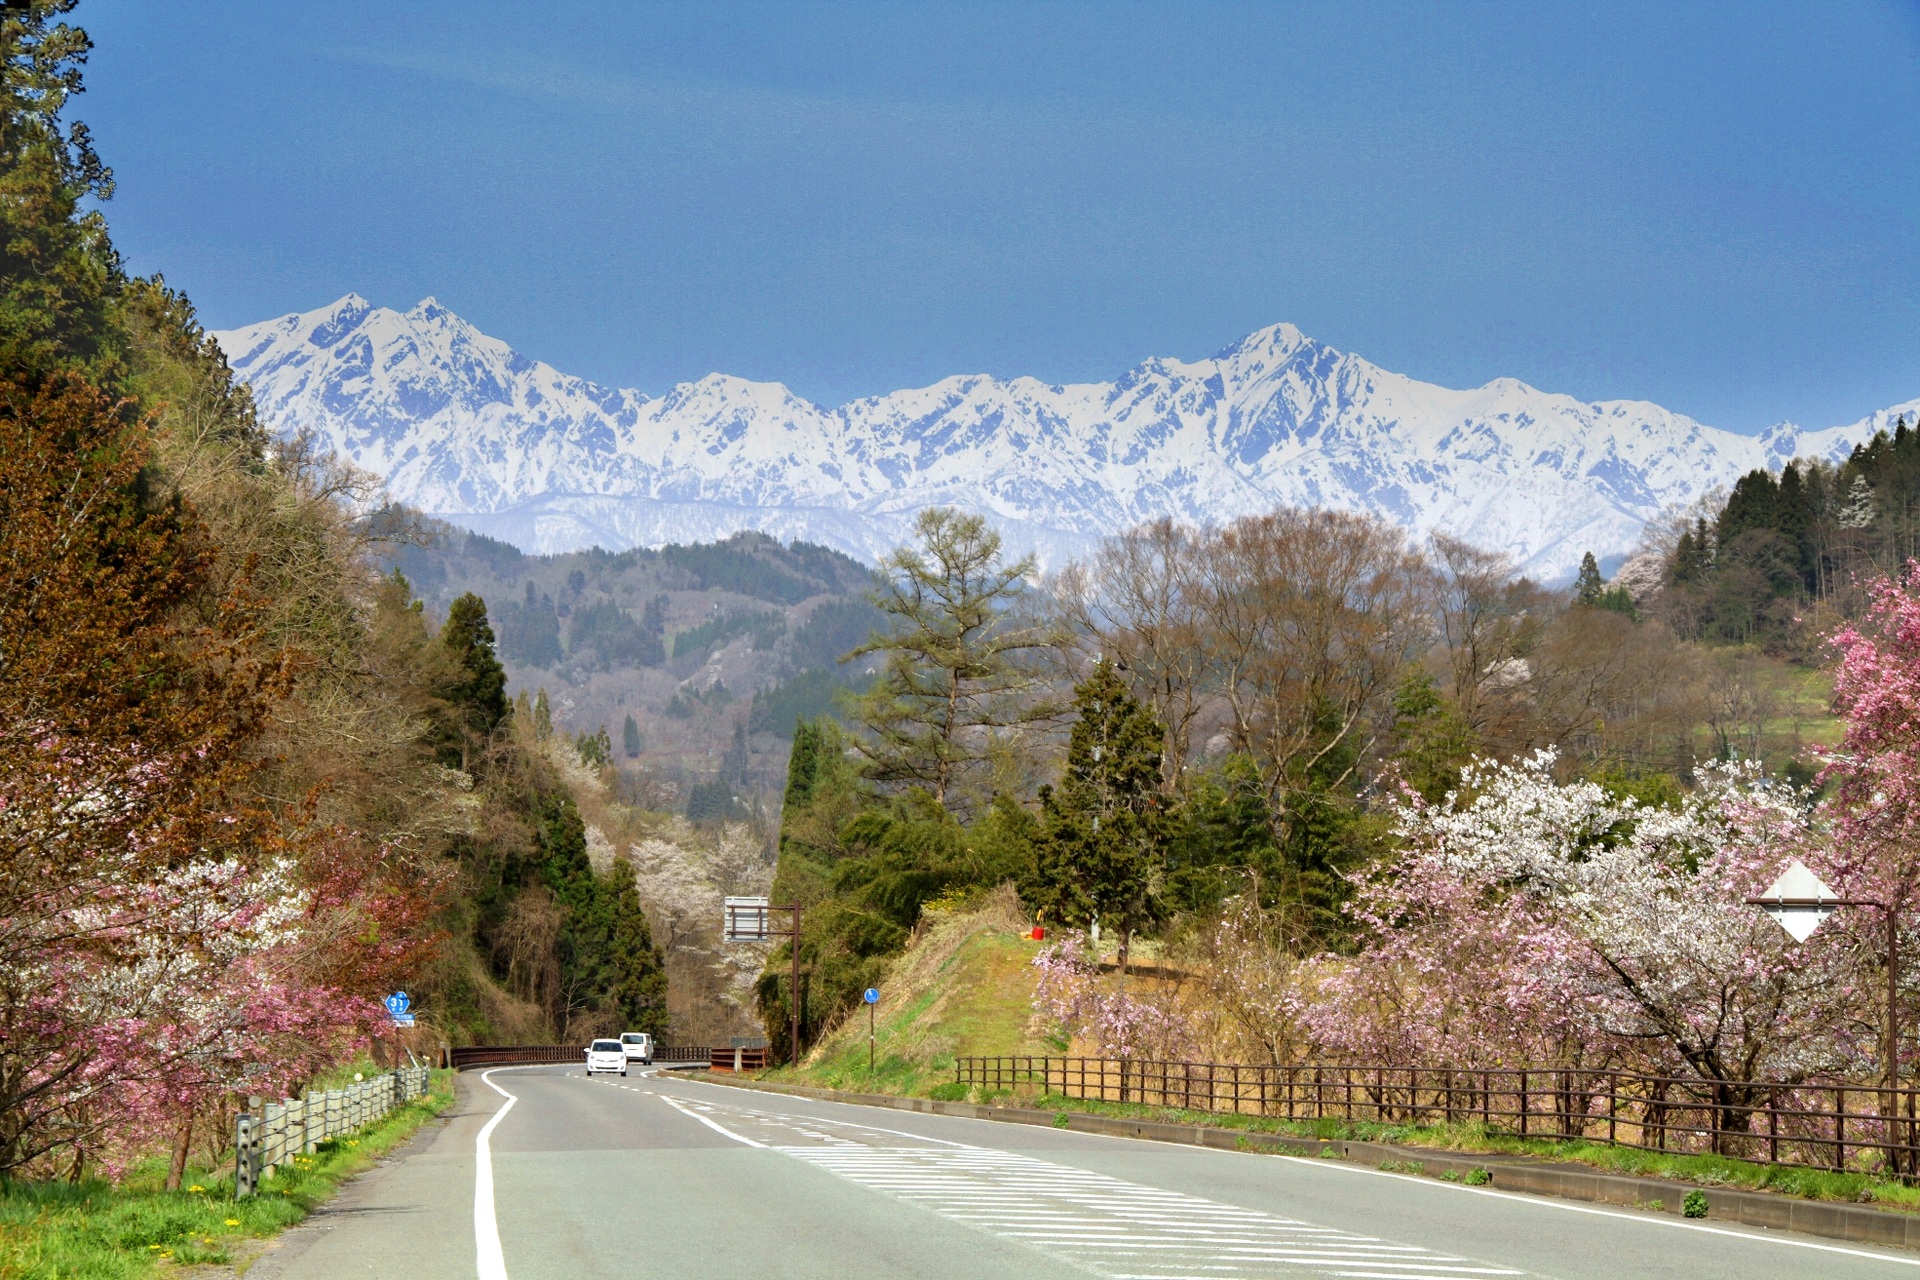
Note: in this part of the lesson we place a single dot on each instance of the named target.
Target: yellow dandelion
(233, 1222)
(196, 1188)
(153, 1246)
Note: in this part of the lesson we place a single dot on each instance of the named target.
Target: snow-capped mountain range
(462, 426)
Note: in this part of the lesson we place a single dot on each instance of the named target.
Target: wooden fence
(1838, 1125)
(274, 1134)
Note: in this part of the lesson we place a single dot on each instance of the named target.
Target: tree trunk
(177, 1168)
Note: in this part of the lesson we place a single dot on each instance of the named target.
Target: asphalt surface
(658, 1177)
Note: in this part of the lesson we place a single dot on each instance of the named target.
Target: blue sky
(1715, 207)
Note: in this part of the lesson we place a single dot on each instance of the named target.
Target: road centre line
(692, 1114)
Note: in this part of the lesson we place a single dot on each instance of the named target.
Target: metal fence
(1840, 1126)
(274, 1134)
(492, 1055)
(683, 1053)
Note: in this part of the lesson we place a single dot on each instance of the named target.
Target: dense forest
(1786, 555)
(248, 789)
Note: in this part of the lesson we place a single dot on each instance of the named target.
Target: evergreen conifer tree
(542, 716)
(1103, 829)
(639, 974)
(954, 656)
(1588, 586)
(630, 737)
(477, 688)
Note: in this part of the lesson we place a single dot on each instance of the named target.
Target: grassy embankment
(965, 988)
(100, 1231)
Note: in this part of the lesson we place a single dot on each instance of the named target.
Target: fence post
(243, 1180)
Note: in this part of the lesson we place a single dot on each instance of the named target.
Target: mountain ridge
(461, 425)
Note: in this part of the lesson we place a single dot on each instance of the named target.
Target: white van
(606, 1055)
(639, 1047)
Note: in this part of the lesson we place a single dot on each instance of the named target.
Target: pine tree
(955, 656)
(542, 716)
(1588, 586)
(1102, 844)
(477, 690)
(1685, 563)
(60, 277)
(630, 737)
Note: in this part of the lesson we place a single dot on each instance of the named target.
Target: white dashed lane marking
(1119, 1229)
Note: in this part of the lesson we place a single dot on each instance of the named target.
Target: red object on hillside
(1038, 933)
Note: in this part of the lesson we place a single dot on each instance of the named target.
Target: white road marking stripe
(1103, 1219)
(1543, 1202)
(491, 1261)
(695, 1114)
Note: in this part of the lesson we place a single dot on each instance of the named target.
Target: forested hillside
(1206, 739)
(1786, 555)
(246, 788)
(695, 661)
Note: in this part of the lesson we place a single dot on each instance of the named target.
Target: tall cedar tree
(1102, 844)
(59, 274)
(1590, 584)
(955, 656)
(478, 690)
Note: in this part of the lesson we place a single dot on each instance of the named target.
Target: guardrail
(493, 1055)
(1840, 1126)
(681, 1054)
(273, 1134)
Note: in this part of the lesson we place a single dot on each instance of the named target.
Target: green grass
(975, 1001)
(101, 1231)
(1706, 1170)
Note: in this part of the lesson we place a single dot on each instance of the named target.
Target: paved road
(652, 1178)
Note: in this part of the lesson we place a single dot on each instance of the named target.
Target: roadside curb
(1858, 1224)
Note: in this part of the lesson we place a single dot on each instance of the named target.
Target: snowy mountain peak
(461, 425)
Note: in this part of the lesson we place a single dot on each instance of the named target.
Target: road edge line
(490, 1260)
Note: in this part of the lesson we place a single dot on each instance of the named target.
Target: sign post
(872, 997)
(1801, 902)
(745, 920)
(400, 1008)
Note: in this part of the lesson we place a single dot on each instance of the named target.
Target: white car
(606, 1055)
(639, 1047)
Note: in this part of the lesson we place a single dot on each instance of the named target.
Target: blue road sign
(872, 995)
(397, 1004)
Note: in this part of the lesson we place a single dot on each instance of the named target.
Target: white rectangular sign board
(746, 920)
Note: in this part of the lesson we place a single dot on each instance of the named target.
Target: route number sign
(400, 1008)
